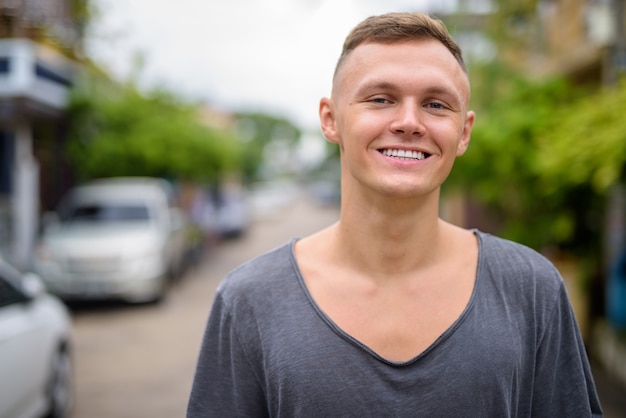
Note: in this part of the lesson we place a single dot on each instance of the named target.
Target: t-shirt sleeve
(225, 384)
(564, 384)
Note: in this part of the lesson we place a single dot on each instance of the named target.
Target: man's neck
(390, 238)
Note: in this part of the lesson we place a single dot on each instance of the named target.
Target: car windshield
(108, 213)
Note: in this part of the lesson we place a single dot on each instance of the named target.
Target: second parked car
(114, 238)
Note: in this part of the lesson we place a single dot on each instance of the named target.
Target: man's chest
(471, 360)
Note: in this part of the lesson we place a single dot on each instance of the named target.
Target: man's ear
(466, 134)
(328, 121)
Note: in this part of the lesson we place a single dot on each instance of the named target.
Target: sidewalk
(608, 351)
(612, 394)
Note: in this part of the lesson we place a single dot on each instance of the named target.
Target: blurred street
(138, 361)
(125, 148)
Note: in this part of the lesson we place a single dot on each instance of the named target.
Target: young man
(392, 311)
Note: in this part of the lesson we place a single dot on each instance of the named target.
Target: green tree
(501, 169)
(258, 131)
(116, 131)
(588, 145)
(525, 166)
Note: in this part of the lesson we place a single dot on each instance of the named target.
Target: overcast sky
(272, 55)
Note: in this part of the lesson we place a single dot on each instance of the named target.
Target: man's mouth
(406, 155)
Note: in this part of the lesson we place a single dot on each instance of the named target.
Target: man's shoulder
(261, 272)
(511, 253)
(512, 261)
(518, 274)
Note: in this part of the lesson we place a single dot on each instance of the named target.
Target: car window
(9, 295)
(107, 213)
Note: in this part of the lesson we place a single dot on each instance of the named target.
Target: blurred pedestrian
(392, 311)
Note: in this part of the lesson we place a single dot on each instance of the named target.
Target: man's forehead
(368, 58)
(421, 47)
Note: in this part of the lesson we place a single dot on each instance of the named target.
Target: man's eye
(436, 105)
(380, 100)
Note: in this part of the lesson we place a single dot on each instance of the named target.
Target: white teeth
(405, 155)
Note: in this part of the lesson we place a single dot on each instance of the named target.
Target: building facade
(39, 43)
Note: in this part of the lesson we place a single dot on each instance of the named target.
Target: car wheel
(160, 292)
(60, 386)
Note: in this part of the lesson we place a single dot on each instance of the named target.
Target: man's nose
(408, 120)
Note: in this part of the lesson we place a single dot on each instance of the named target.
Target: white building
(35, 81)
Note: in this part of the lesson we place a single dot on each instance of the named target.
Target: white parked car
(35, 349)
(116, 238)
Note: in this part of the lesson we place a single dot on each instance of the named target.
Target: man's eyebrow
(443, 90)
(435, 90)
(453, 97)
(376, 85)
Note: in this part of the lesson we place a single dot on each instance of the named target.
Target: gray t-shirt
(515, 351)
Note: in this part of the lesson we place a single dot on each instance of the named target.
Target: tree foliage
(545, 152)
(258, 131)
(512, 23)
(589, 146)
(522, 163)
(118, 131)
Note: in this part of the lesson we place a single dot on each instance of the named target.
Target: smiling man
(392, 311)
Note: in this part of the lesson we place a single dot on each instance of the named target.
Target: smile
(404, 154)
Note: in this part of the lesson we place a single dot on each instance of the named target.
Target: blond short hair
(399, 27)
